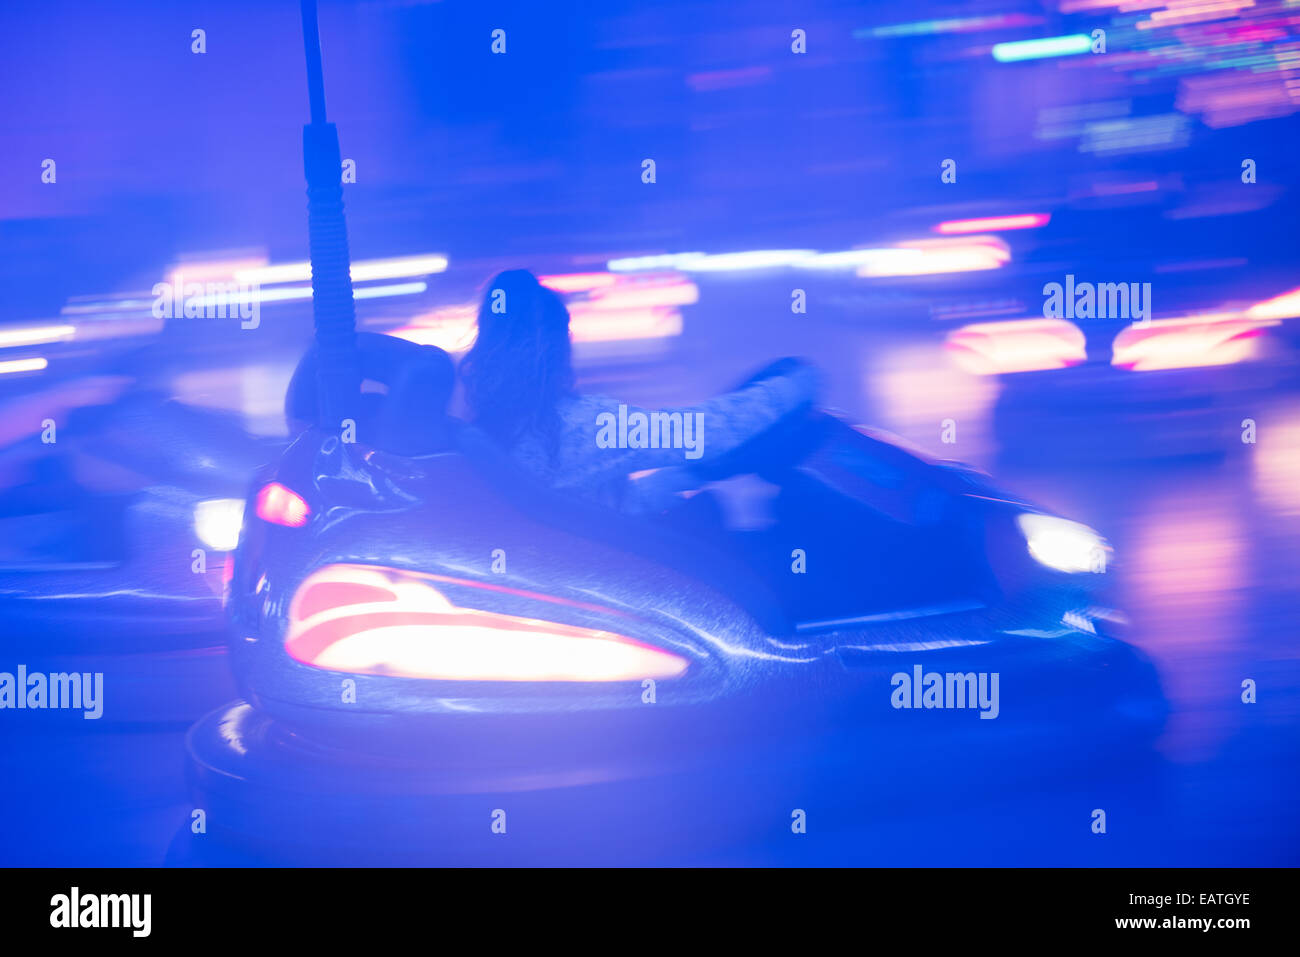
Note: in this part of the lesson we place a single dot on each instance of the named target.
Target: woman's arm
(627, 438)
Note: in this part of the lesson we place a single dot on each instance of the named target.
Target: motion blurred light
(218, 522)
(1018, 345)
(1064, 545)
(1042, 48)
(753, 259)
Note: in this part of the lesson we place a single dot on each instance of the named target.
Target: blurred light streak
(976, 310)
(1285, 306)
(1068, 120)
(213, 270)
(994, 223)
(950, 25)
(290, 293)
(93, 328)
(930, 256)
(1135, 134)
(578, 282)
(253, 390)
(1177, 14)
(362, 271)
(914, 258)
(916, 388)
(1125, 189)
(661, 261)
(1016, 50)
(1187, 342)
(675, 292)
(22, 417)
(1276, 463)
(107, 307)
(32, 335)
(1201, 265)
(1188, 558)
(636, 310)
(450, 328)
(1235, 98)
(1209, 201)
(1237, 59)
(728, 79)
(1077, 6)
(23, 365)
(621, 325)
(753, 259)
(1017, 345)
(848, 259)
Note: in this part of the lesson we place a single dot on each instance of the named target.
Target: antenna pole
(333, 311)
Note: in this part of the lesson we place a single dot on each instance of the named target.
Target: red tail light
(365, 620)
(282, 506)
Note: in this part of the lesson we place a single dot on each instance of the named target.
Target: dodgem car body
(412, 618)
(435, 651)
(114, 537)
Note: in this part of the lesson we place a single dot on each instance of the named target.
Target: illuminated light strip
(1133, 134)
(447, 335)
(108, 306)
(578, 282)
(1042, 48)
(1194, 13)
(645, 296)
(397, 289)
(1187, 342)
(452, 328)
(918, 257)
(1285, 306)
(304, 292)
(931, 256)
(32, 335)
(285, 294)
(977, 310)
(1123, 189)
(23, 365)
(1021, 221)
(728, 79)
(213, 270)
(361, 271)
(475, 646)
(643, 263)
(951, 25)
(622, 325)
(753, 259)
(377, 576)
(1017, 345)
(362, 619)
(848, 259)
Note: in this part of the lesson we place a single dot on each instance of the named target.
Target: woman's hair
(520, 364)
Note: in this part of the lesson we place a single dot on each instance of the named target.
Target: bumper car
(114, 540)
(442, 661)
(422, 636)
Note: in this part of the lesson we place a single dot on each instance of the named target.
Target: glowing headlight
(217, 522)
(1064, 545)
